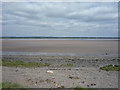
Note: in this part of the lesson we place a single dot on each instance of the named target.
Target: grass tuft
(67, 65)
(80, 88)
(23, 64)
(111, 68)
(10, 85)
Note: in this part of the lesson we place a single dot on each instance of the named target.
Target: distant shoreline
(64, 39)
(59, 37)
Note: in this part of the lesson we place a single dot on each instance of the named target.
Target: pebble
(28, 79)
(73, 77)
(16, 70)
(50, 71)
(87, 85)
(93, 84)
(83, 81)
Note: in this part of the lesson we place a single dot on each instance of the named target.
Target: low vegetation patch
(111, 68)
(23, 64)
(0, 62)
(9, 85)
(67, 65)
(80, 88)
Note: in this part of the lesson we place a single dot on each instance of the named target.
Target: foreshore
(69, 71)
(92, 47)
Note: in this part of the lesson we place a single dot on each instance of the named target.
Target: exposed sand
(92, 47)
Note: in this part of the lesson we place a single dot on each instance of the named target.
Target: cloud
(59, 19)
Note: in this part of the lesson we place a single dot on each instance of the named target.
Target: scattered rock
(50, 71)
(96, 59)
(73, 77)
(87, 85)
(106, 54)
(93, 84)
(48, 80)
(28, 79)
(36, 82)
(16, 70)
(41, 81)
(77, 69)
(83, 81)
(53, 77)
(62, 86)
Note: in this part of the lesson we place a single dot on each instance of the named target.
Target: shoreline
(68, 71)
(57, 39)
(106, 55)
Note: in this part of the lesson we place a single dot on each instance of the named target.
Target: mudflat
(62, 46)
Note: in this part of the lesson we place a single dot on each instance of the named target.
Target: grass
(23, 64)
(67, 65)
(0, 62)
(111, 68)
(80, 88)
(9, 85)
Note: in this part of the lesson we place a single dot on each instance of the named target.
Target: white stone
(49, 71)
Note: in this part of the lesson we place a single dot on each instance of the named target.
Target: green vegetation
(23, 64)
(10, 85)
(111, 68)
(80, 88)
(67, 65)
(0, 62)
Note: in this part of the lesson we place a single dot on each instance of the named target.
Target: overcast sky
(59, 19)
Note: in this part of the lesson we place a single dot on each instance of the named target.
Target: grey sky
(59, 19)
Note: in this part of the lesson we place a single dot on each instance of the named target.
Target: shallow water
(55, 54)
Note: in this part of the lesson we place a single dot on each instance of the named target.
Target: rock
(73, 77)
(93, 84)
(77, 69)
(50, 71)
(36, 82)
(28, 79)
(62, 86)
(106, 54)
(56, 84)
(53, 77)
(16, 70)
(83, 81)
(48, 80)
(41, 81)
(87, 85)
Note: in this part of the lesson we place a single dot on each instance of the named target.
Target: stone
(73, 77)
(50, 71)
